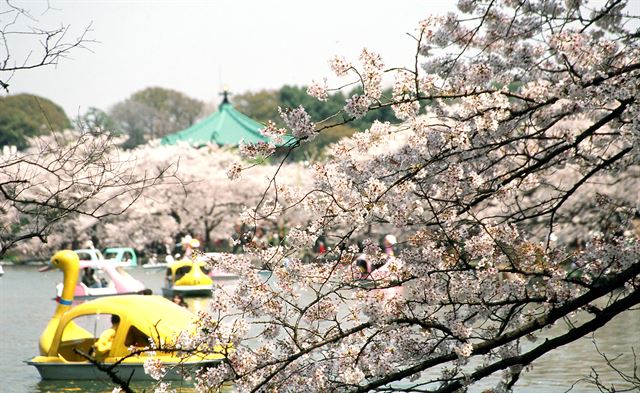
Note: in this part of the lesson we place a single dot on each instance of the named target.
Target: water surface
(26, 305)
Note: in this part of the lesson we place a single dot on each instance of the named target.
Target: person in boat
(102, 347)
(364, 267)
(188, 245)
(89, 278)
(240, 238)
(179, 300)
(388, 242)
(321, 246)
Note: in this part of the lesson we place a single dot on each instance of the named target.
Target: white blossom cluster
(357, 106)
(155, 368)
(372, 67)
(234, 172)
(339, 65)
(318, 90)
(299, 121)
(252, 151)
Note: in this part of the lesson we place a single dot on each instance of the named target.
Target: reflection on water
(102, 387)
(92, 387)
(26, 306)
(574, 361)
(197, 304)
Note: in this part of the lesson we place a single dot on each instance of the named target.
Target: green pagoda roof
(225, 127)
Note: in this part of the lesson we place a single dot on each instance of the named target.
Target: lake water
(26, 306)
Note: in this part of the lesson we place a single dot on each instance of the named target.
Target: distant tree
(95, 118)
(317, 149)
(293, 96)
(135, 120)
(26, 115)
(261, 105)
(153, 113)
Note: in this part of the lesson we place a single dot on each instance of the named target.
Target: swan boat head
(69, 263)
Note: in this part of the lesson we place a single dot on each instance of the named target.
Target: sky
(200, 47)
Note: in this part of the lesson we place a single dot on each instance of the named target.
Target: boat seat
(135, 338)
(66, 349)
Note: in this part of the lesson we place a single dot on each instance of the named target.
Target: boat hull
(187, 290)
(128, 371)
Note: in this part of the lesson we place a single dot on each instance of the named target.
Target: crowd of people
(244, 237)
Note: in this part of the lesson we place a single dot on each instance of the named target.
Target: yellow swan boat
(187, 278)
(142, 319)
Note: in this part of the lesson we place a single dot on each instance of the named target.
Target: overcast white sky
(197, 47)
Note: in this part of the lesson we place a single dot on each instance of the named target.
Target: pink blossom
(154, 368)
(339, 65)
(357, 106)
(253, 150)
(234, 171)
(299, 121)
(318, 90)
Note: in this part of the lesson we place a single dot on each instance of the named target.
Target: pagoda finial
(225, 96)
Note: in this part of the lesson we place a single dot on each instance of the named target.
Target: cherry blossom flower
(357, 106)
(339, 65)
(318, 90)
(299, 121)
(234, 171)
(155, 368)
(253, 150)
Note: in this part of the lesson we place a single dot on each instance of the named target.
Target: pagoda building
(226, 127)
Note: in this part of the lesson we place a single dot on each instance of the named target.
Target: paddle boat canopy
(141, 320)
(89, 254)
(123, 256)
(103, 279)
(187, 278)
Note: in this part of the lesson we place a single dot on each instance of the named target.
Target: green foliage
(153, 113)
(263, 106)
(292, 97)
(25, 115)
(177, 107)
(316, 149)
(97, 119)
